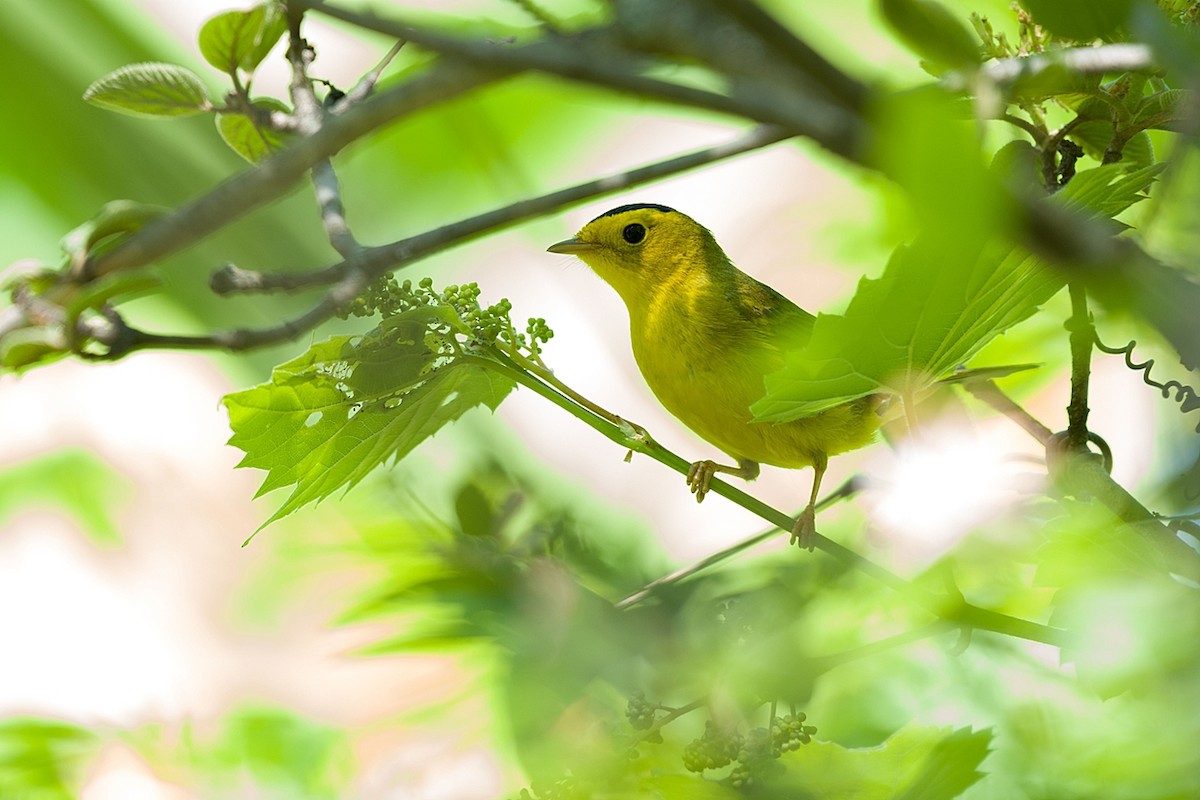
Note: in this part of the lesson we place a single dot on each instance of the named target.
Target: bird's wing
(779, 321)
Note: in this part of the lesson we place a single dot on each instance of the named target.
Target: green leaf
(686, 787)
(474, 511)
(122, 285)
(111, 225)
(241, 39)
(28, 347)
(1163, 109)
(247, 138)
(150, 90)
(923, 317)
(932, 32)
(42, 758)
(915, 763)
(1096, 136)
(329, 417)
(293, 756)
(1081, 20)
(72, 480)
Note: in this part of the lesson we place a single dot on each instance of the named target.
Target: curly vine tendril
(1180, 393)
(1184, 395)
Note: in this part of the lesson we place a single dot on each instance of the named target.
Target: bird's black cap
(633, 207)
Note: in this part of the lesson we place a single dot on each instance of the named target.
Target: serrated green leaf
(248, 139)
(150, 90)
(237, 40)
(1162, 109)
(922, 318)
(321, 427)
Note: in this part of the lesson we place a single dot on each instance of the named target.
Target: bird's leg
(701, 473)
(805, 530)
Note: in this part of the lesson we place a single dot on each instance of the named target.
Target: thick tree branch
(600, 60)
(1081, 337)
(1014, 74)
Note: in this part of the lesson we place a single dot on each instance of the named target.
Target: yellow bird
(704, 335)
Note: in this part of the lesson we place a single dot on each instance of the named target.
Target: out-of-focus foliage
(42, 758)
(74, 481)
(775, 676)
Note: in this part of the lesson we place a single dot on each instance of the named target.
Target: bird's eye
(634, 234)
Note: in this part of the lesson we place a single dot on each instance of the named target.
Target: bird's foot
(804, 532)
(700, 476)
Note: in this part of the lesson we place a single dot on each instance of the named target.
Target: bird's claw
(699, 478)
(804, 532)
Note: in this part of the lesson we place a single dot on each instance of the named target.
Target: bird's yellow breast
(708, 378)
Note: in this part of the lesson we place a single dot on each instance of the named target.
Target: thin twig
(841, 88)
(542, 16)
(311, 115)
(668, 718)
(274, 176)
(1036, 133)
(822, 664)
(847, 489)
(366, 84)
(1087, 476)
(951, 610)
(990, 393)
(377, 260)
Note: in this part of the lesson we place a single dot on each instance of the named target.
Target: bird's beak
(572, 246)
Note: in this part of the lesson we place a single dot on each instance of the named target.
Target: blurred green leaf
(686, 787)
(284, 752)
(150, 90)
(915, 763)
(248, 139)
(1162, 109)
(123, 285)
(473, 510)
(1096, 136)
(30, 347)
(933, 32)
(73, 480)
(110, 225)
(1081, 20)
(42, 759)
(1176, 47)
(350, 404)
(237, 40)
(1128, 619)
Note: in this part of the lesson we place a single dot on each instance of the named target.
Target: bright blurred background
(155, 657)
